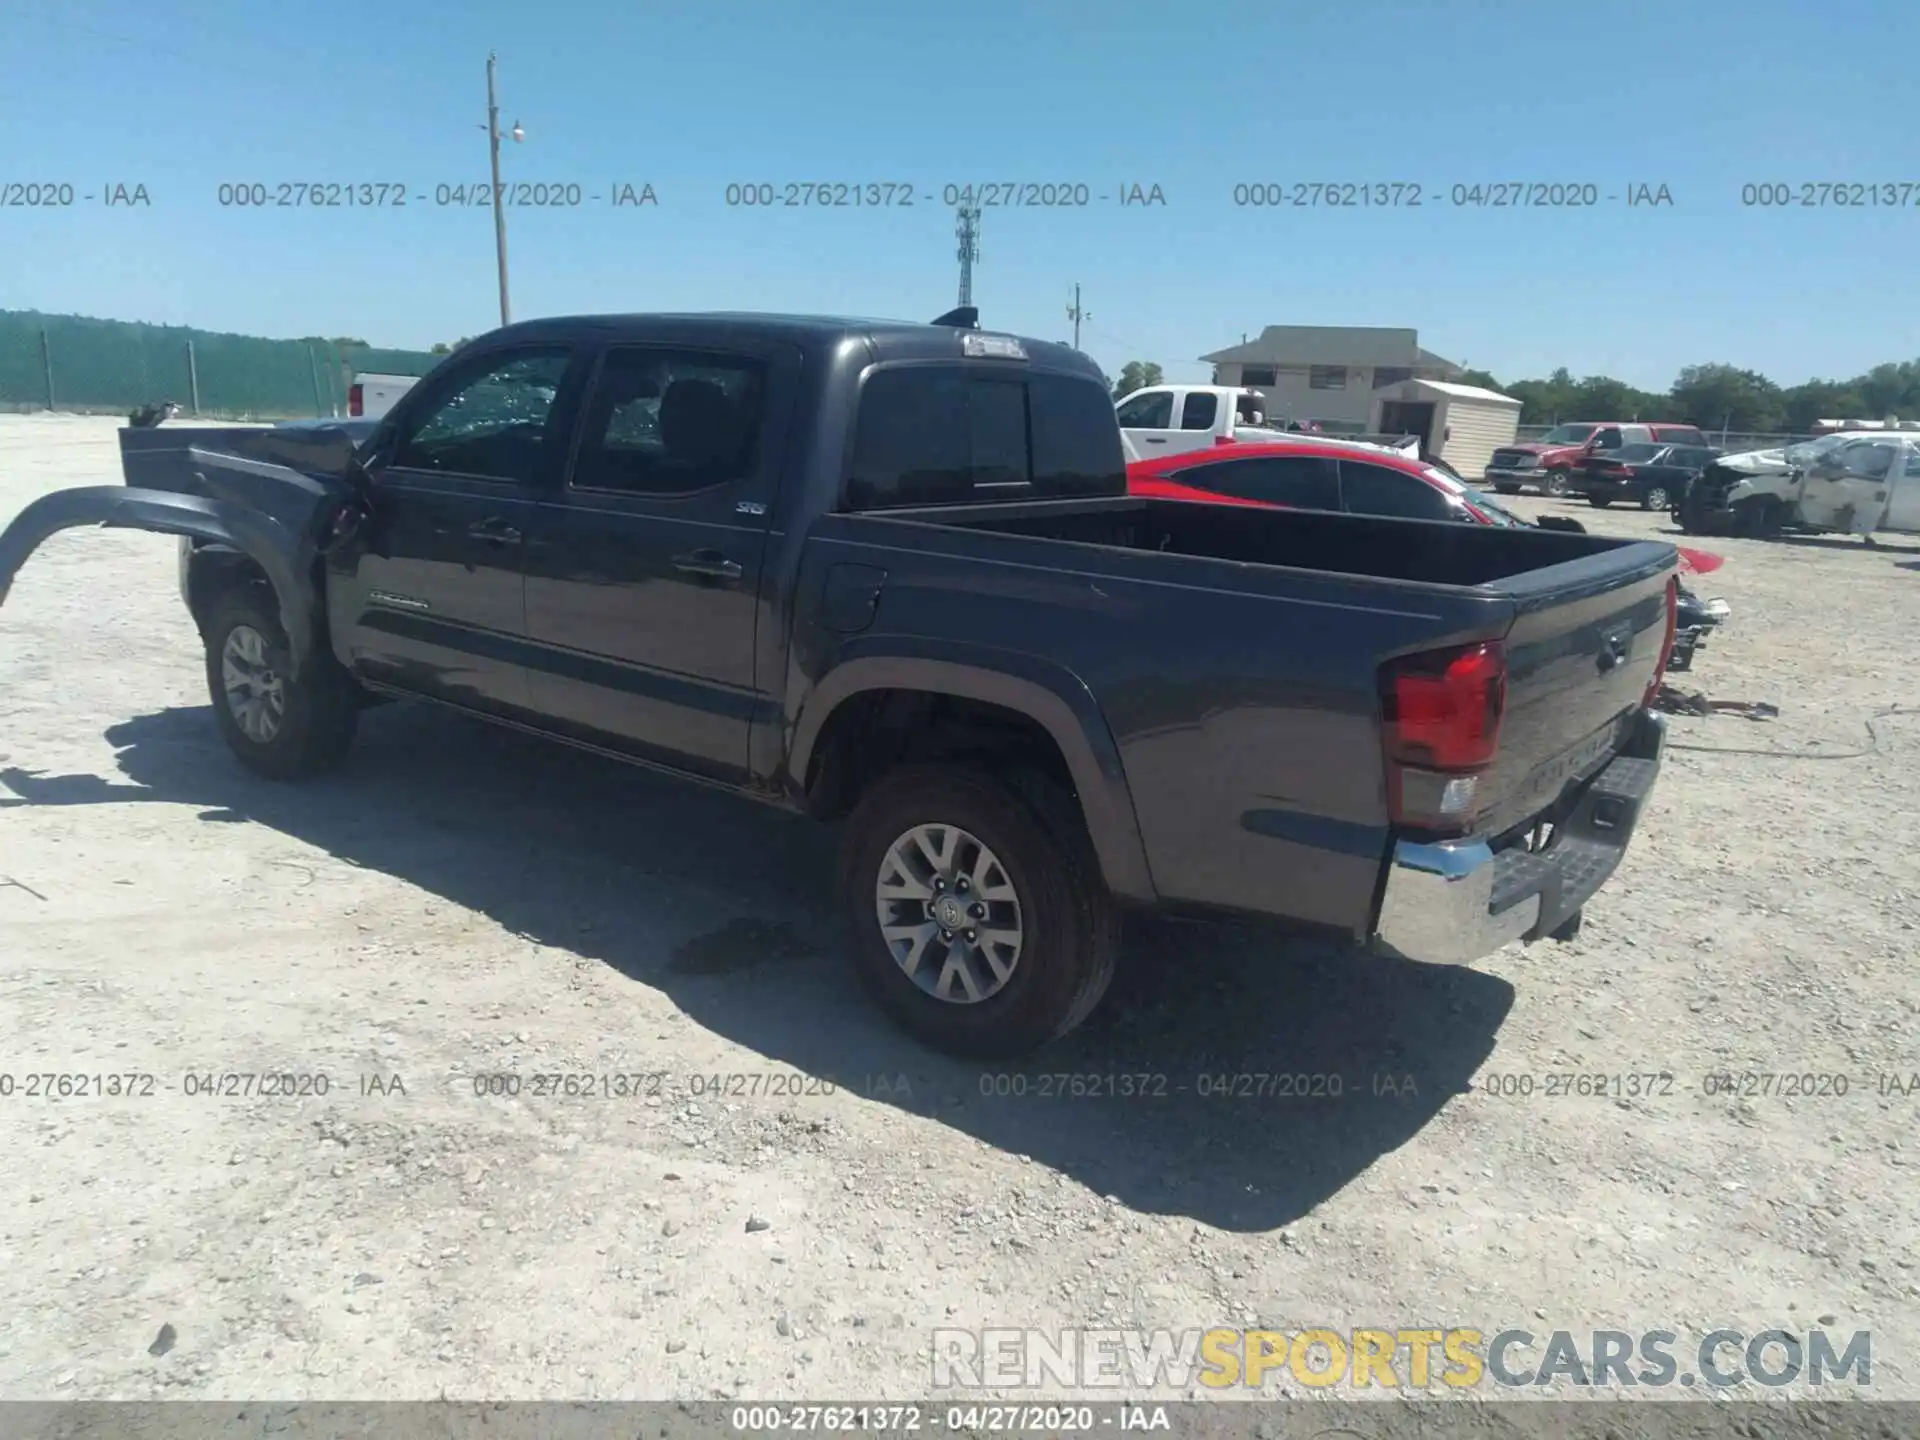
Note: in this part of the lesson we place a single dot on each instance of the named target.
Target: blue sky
(1700, 98)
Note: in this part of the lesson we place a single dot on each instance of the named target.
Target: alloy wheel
(949, 913)
(255, 692)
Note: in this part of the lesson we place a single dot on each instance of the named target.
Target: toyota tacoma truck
(889, 574)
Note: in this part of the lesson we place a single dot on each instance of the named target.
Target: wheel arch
(247, 532)
(1049, 698)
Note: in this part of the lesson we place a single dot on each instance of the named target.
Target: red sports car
(1318, 474)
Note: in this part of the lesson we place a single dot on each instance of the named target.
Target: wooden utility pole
(1076, 314)
(499, 211)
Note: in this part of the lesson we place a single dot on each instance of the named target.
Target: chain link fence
(1734, 442)
(80, 365)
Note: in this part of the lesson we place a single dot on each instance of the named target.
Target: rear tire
(1039, 882)
(278, 726)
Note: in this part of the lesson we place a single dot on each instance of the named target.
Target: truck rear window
(947, 434)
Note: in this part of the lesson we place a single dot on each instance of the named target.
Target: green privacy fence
(74, 363)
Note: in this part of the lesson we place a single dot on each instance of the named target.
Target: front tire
(1758, 518)
(978, 918)
(1692, 515)
(279, 726)
(1555, 484)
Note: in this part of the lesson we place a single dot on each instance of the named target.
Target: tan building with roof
(1370, 380)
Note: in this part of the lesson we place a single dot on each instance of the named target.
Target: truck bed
(1414, 551)
(1236, 655)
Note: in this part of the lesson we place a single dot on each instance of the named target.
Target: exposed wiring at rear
(1873, 735)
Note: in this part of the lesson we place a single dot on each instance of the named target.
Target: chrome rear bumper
(1450, 902)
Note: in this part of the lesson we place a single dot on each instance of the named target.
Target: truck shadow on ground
(1233, 1076)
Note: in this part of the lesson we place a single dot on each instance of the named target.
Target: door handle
(1156, 439)
(494, 532)
(710, 563)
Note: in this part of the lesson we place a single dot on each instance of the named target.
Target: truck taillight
(1666, 642)
(1441, 714)
(356, 401)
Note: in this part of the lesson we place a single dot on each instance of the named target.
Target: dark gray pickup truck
(889, 573)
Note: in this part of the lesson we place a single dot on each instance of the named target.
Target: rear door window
(664, 422)
(1680, 435)
(1305, 482)
(1199, 411)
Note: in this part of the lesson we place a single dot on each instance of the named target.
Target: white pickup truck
(1172, 419)
(1168, 419)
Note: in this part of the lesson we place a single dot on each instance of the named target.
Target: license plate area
(1547, 795)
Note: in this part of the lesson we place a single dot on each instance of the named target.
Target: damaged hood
(1757, 462)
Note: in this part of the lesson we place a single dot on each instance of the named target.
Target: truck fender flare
(165, 512)
(1050, 695)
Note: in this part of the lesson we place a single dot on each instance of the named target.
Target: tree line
(1717, 397)
(1714, 397)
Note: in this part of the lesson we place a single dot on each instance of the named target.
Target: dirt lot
(459, 902)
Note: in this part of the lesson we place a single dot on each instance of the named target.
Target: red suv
(1546, 463)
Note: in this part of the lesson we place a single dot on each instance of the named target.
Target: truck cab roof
(889, 339)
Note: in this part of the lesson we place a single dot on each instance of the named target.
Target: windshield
(1568, 434)
(1493, 509)
(1808, 450)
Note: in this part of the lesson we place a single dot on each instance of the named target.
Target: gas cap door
(851, 597)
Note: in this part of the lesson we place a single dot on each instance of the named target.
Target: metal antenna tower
(967, 229)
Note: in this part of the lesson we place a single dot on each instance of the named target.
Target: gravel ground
(459, 902)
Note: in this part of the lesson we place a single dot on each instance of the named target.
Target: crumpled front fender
(278, 551)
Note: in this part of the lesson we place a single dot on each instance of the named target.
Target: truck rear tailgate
(1581, 654)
